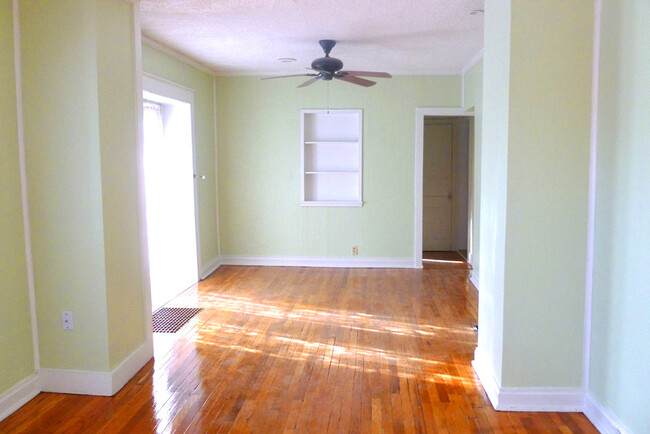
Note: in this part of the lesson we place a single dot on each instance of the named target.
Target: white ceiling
(247, 37)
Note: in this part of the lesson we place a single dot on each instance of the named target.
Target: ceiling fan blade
(310, 81)
(357, 80)
(367, 74)
(285, 76)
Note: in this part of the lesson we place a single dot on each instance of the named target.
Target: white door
(169, 194)
(437, 185)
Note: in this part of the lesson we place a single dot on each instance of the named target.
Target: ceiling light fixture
(286, 59)
(477, 12)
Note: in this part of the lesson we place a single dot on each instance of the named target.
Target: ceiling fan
(327, 68)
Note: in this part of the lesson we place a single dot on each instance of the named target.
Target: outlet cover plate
(67, 320)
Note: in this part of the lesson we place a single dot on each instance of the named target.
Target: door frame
(420, 114)
(174, 91)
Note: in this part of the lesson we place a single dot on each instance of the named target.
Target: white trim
(77, 382)
(486, 376)
(591, 205)
(131, 365)
(142, 204)
(317, 262)
(216, 162)
(473, 61)
(96, 383)
(164, 80)
(420, 113)
(556, 399)
(473, 277)
(181, 57)
(166, 90)
(603, 419)
(560, 399)
(210, 267)
(18, 395)
(20, 130)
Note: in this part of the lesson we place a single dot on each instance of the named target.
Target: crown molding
(181, 57)
(473, 61)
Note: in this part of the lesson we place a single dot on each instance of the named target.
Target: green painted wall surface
(59, 65)
(620, 354)
(548, 172)
(494, 162)
(161, 65)
(119, 158)
(259, 166)
(473, 100)
(16, 359)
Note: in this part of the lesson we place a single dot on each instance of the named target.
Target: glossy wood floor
(306, 350)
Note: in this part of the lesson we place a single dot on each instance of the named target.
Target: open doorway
(443, 199)
(170, 198)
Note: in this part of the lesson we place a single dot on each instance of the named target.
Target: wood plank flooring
(306, 350)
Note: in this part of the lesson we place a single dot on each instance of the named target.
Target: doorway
(442, 185)
(170, 198)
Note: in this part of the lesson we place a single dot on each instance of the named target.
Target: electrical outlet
(67, 320)
(355, 250)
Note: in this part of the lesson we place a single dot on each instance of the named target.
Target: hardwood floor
(444, 260)
(306, 350)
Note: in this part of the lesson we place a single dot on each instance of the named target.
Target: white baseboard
(209, 268)
(317, 262)
(19, 395)
(76, 382)
(130, 366)
(603, 419)
(474, 279)
(95, 383)
(561, 399)
(486, 377)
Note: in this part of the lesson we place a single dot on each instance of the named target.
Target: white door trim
(420, 113)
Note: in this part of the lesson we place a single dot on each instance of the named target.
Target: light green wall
(535, 185)
(16, 359)
(620, 354)
(161, 65)
(259, 166)
(80, 139)
(473, 101)
(64, 179)
(548, 171)
(119, 161)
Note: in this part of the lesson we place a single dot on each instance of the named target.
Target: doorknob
(199, 176)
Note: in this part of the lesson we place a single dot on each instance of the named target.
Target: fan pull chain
(328, 97)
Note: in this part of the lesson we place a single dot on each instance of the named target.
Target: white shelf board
(332, 172)
(350, 203)
(333, 142)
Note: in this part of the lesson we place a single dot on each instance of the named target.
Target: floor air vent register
(172, 319)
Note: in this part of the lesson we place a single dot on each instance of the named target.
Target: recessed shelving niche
(330, 157)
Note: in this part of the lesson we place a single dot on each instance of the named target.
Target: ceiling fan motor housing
(328, 64)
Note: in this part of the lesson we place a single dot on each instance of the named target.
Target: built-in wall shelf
(330, 157)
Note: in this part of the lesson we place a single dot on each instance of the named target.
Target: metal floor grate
(171, 319)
